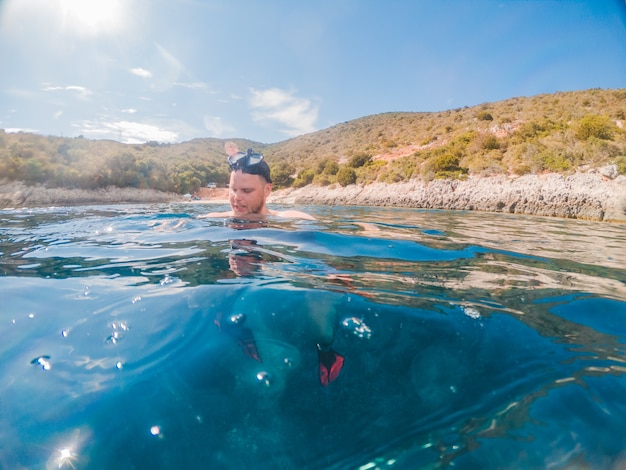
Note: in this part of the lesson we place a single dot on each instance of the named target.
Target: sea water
(144, 337)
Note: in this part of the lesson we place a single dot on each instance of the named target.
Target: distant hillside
(559, 132)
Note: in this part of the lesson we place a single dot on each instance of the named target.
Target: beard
(250, 208)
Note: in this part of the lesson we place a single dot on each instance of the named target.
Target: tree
(123, 170)
(281, 175)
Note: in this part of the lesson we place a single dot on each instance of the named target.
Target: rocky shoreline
(16, 194)
(598, 195)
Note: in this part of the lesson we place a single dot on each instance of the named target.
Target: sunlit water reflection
(143, 337)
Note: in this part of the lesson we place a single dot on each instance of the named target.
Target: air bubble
(117, 335)
(43, 361)
(237, 319)
(357, 327)
(120, 326)
(264, 378)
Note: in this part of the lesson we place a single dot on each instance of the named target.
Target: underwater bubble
(136, 299)
(43, 362)
(288, 361)
(264, 378)
(237, 319)
(156, 431)
(122, 325)
(471, 312)
(118, 328)
(119, 365)
(31, 315)
(357, 327)
(62, 458)
(65, 333)
(166, 280)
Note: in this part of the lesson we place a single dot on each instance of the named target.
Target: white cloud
(141, 72)
(128, 132)
(81, 91)
(129, 111)
(275, 105)
(57, 115)
(16, 130)
(216, 126)
(193, 85)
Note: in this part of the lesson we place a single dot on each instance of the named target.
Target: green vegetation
(560, 132)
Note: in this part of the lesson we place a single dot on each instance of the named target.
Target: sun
(92, 17)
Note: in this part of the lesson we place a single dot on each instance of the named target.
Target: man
(250, 185)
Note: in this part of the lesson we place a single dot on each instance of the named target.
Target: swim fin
(330, 364)
(243, 335)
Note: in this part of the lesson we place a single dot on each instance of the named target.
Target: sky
(174, 70)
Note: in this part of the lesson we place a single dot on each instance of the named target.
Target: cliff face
(592, 196)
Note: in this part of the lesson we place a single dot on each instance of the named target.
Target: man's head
(250, 183)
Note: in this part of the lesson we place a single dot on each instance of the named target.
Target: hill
(564, 133)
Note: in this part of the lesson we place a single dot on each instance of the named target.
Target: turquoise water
(143, 337)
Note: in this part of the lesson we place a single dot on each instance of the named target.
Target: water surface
(142, 337)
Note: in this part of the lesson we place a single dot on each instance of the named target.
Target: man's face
(248, 193)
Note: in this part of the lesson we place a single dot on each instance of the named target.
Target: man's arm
(293, 214)
(212, 215)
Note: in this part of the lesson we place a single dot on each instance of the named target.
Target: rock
(610, 171)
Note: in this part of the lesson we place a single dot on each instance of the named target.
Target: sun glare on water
(92, 16)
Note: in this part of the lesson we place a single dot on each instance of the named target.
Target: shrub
(444, 166)
(447, 162)
(555, 162)
(359, 160)
(532, 129)
(490, 142)
(304, 177)
(484, 116)
(331, 167)
(594, 125)
(346, 175)
(620, 161)
(321, 180)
